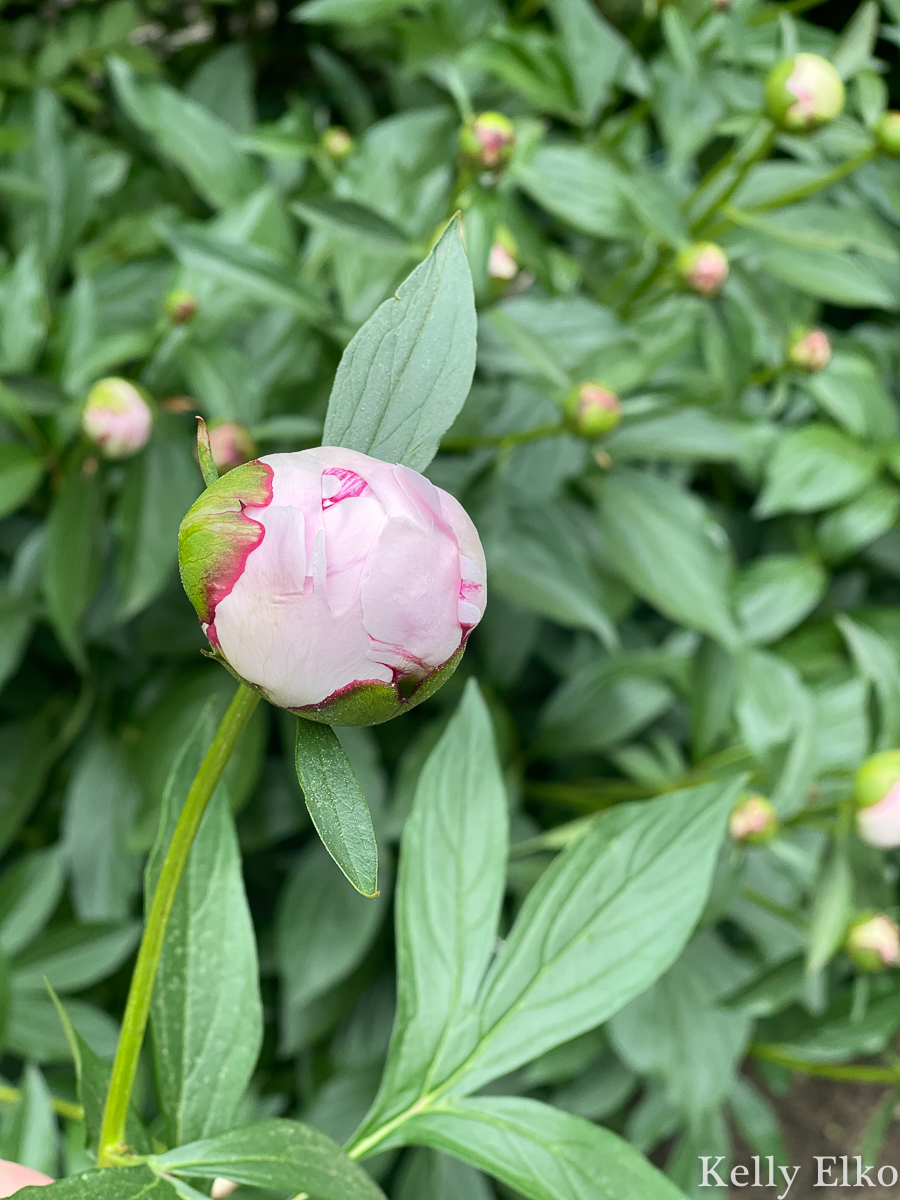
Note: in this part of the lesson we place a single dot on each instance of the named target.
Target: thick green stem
(502, 440)
(137, 1009)
(853, 1074)
(804, 190)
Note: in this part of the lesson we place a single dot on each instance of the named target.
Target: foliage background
(719, 594)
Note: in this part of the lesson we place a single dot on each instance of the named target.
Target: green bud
(592, 410)
(873, 942)
(487, 141)
(887, 133)
(181, 305)
(337, 143)
(876, 777)
(804, 92)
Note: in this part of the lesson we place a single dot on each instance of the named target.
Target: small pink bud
(181, 305)
(502, 263)
(223, 1188)
(342, 587)
(592, 409)
(887, 133)
(117, 418)
(753, 820)
(873, 942)
(337, 143)
(877, 791)
(810, 350)
(231, 445)
(703, 267)
(487, 141)
(804, 92)
(13, 1178)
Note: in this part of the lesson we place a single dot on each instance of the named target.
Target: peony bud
(810, 350)
(341, 587)
(753, 820)
(804, 92)
(592, 409)
(223, 1188)
(877, 790)
(502, 261)
(181, 306)
(117, 418)
(487, 141)
(231, 445)
(13, 1177)
(887, 134)
(873, 942)
(337, 143)
(703, 267)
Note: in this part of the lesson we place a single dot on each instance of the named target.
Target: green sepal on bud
(803, 93)
(181, 306)
(337, 143)
(592, 410)
(754, 820)
(873, 942)
(486, 141)
(875, 778)
(887, 134)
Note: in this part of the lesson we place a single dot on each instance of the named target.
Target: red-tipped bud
(810, 350)
(231, 445)
(873, 942)
(804, 92)
(117, 418)
(753, 820)
(887, 133)
(877, 791)
(703, 267)
(337, 143)
(592, 409)
(181, 306)
(487, 141)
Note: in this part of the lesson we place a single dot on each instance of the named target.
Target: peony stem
(855, 1074)
(137, 1008)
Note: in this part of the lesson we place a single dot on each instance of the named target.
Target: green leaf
(849, 528)
(100, 806)
(768, 700)
(850, 391)
(450, 887)
(284, 1156)
(336, 933)
(187, 134)
(877, 661)
(248, 269)
(814, 468)
(16, 623)
(351, 222)
(574, 184)
(831, 910)
(336, 804)
(29, 892)
(667, 548)
(686, 435)
(406, 373)
(23, 312)
(857, 41)
(601, 704)
(206, 1014)
(114, 1183)
(774, 594)
(30, 1135)
(71, 957)
(440, 1177)
(543, 1153)
(21, 470)
(346, 12)
(71, 556)
(594, 51)
(830, 275)
(27, 751)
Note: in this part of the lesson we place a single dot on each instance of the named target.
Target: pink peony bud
(181, 306)
(804, 92)
(873, 942)
(887, 133)
(754, 820)
(13, 1177)
(810, 350)
(231, 445)
(337, 143)
(117, 417)
(877, 789)
(342, 587)
(487, 141)
(502, 262)
(703, 267)
(592, 409)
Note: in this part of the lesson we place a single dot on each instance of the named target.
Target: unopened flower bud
(753, 820)
(703, 267)
(223, 1188)
(13, 1178)
(810, 350)
(181, 306)
(804, 92)
(487, 141)
(873, 942)
(117, 418)
(503, 261)
(877, 791)
(337, 143)
(231, 445)
(592, 409)
(341, 587)
(887, 134)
